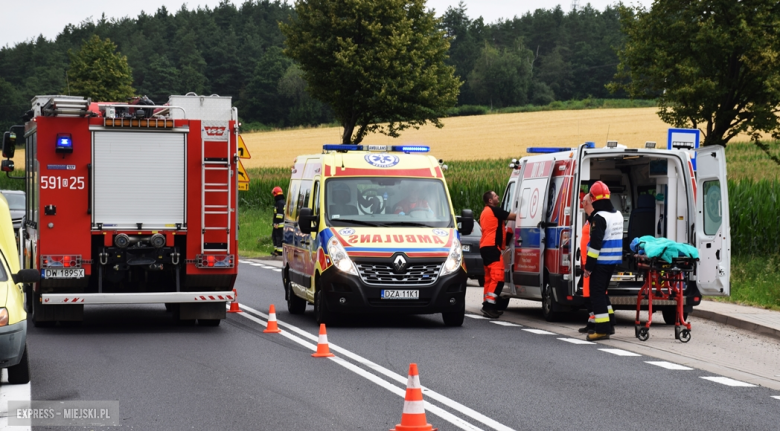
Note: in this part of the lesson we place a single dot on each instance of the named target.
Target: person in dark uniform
(491, 247)
(605, 252)
(278, 222)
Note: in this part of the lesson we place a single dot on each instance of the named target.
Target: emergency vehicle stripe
(602, 318)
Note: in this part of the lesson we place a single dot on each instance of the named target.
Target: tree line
(233, 50)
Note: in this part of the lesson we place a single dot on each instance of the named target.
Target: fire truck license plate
(64, 273)
(400, 294)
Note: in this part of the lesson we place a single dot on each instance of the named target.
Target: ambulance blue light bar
(546, 150)
(412, 148)
(341, 147)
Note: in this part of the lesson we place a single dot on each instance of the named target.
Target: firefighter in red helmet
(278, 223)
(605, 252)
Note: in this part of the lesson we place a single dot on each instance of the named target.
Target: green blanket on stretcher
(664, 248)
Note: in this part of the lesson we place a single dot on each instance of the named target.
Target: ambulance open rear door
(712, 228)
(530, 226)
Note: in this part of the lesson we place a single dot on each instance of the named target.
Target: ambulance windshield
(387, 202)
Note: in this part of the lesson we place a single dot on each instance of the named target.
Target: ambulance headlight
(454, 259)
(340, 258)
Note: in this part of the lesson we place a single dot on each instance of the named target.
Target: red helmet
(277, 191)
(599, 191)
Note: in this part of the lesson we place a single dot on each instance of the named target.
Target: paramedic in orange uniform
(587, 206)
(491, 245)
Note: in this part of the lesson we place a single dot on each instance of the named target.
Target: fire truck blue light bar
(412, 148)
(546, 150)
(64, 143)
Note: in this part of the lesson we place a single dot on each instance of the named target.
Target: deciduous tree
(711, 64)
(380, 64)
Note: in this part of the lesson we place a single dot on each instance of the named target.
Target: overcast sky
(23, 21)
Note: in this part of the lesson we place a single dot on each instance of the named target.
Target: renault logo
(399, 265)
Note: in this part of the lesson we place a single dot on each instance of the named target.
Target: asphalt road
(481, 376)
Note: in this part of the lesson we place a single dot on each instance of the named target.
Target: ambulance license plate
(64, 273)
(400, 294)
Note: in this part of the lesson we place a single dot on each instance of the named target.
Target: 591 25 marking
(57, 182)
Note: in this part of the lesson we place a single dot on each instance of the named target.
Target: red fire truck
(130, 204)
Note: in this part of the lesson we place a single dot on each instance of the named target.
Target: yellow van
(13, 318)
(371, 229)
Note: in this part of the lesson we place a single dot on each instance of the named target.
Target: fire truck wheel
(670, 316)
(209, 322)
(295, 304)
(549, 307)
(19, 374)
(321, 312)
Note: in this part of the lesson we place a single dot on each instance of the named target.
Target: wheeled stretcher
(664, 281)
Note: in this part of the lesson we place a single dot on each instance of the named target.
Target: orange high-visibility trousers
(583, 254)
(494, 282)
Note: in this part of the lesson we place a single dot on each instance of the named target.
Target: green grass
(254, 233)
(755, 280)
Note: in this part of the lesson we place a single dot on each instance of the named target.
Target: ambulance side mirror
(466, 222)
(9, 144)
(306, 219)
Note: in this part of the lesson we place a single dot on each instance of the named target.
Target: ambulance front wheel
(455, 318)
(321, 312)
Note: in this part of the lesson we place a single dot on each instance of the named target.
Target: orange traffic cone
(413, 418)
(234, 305)
(272, 327)
(323, 351)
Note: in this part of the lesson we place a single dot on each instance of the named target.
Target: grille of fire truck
(382, 274)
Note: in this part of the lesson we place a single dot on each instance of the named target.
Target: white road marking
(669, 365)
(777, 397)
(10, 392)
(476, 316)
(502, 323)
(460, 423)
(620, 352)
(728, 382)
(277, 269)
(539, 331)
(576, 341)
(394, 376)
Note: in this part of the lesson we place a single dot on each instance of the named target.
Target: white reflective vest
(611, 252)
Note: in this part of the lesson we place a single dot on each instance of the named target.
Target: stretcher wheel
(685, 335)
(677, 330)
(643, 334)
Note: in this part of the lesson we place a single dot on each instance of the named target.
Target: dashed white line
(620, 352)
(538, 331)
(576, 341)
(475, 316)
(392, 375)
(502, 323)
(729, 382)
(277, 269)
(669, 365)
(777, 397)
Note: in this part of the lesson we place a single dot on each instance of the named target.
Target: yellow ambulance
(13, 318)
(371, 229)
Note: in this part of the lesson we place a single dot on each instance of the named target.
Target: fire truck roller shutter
(139, 177)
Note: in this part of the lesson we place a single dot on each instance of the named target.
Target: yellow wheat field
(480, 137)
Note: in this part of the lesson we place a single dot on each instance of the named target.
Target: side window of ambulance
(315, 203)
(508, 195)
(303, 196)
(292, 198)
(712, 207)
